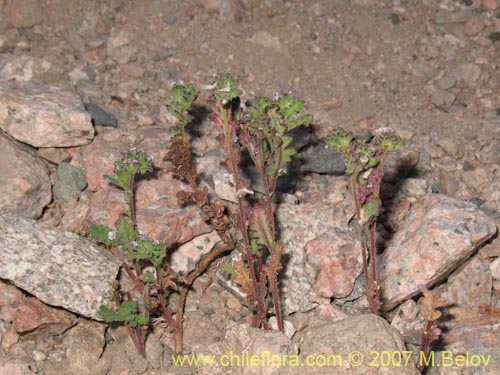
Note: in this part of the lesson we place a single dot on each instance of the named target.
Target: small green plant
(365, 159)
(262, 132)
(143, 259)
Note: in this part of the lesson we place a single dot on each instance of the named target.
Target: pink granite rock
(159, 215)
(358, 338)
(480, 336)
(324, 206)
(473, 26)
(34, 320)
(43, 116)
(57, 267)
(334, 262)
(466, 289)
(490, 4)
(23, 13)
(437, 235)
(25, 187)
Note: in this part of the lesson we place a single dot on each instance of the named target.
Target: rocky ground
(82, 82)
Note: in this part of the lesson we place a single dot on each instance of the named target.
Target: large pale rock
(43, 115)
(466, 289)
(437, 235)
(59, 268)
(470, 348)
(324, 207)
(159, 215)
(366, 335)
(244, 342)
(24, 180)
(335, 262)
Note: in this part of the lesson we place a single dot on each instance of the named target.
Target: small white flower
(111, 235)
(178, 83)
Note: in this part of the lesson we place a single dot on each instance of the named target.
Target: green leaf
(287, 152)
(370, 208)
(127, 312)
(227, 269)
(226, 89)
(102, 234)
(257, 107)
(392, 143)
(126, 234)
(148, 277)
(289, 105)
(304, 120)
(339, 141)
(149, 250)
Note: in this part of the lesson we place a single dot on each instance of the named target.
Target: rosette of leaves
(128, 312)
(135, 162)
(183, 97)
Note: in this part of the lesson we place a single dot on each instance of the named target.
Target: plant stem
(273, 285)
(424, 347)
(259, 310)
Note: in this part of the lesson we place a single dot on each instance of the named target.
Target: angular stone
(467, 73)
(158, 212)
(34, 320)
(321, 159)
(69, 183)
(408, 322)
(9, 296)
(86, 359)
(476, 342)
(495, 269)
(59, 268)
(43, 115)
(473, 26)
(100, 116)
(54, 155)
(366, 334)
(186, 257)
(335, 262)
(441, 98)
(466, 289)
(15, 368)
(22, 68)
(264, 39)
(24, 180)
(437, 235)
(23, 13)
(490, 4)
(245, 341)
